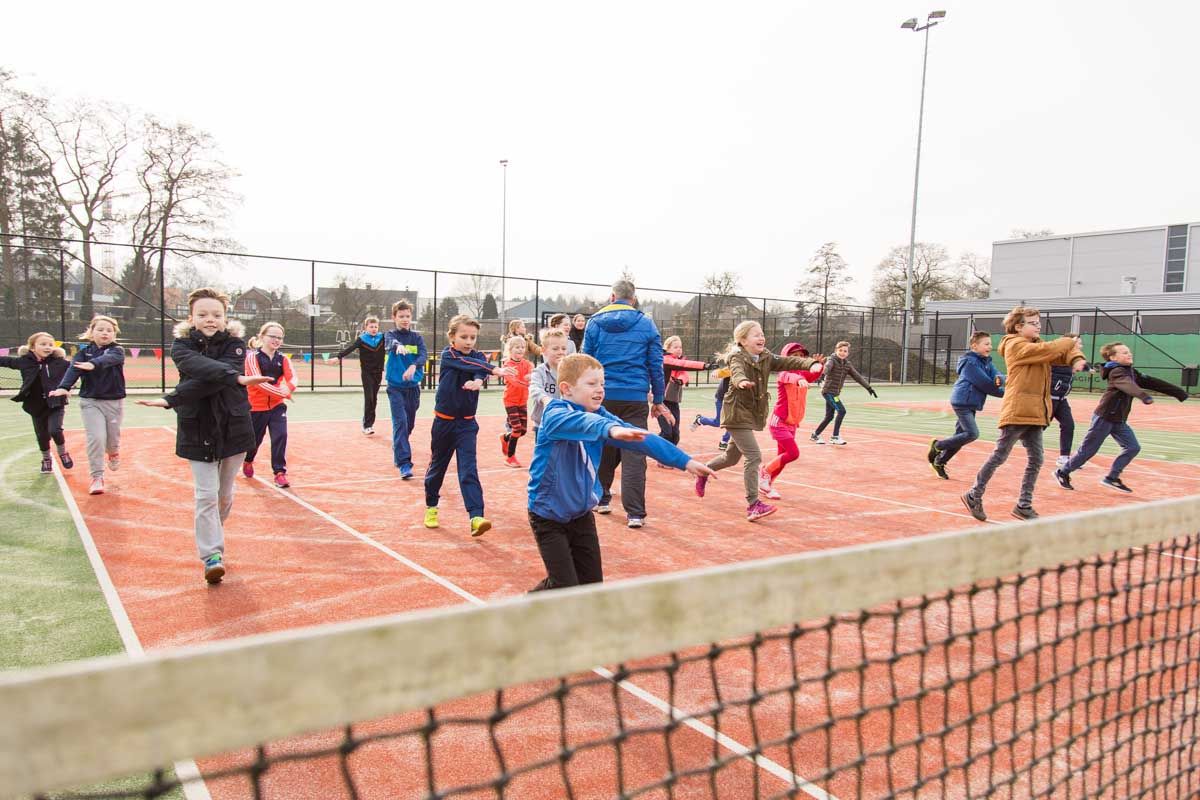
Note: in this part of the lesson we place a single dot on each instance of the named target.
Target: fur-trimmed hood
(58, 351)
(233, 327)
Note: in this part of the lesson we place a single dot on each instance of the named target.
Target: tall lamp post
(503, 243)
(915, 26)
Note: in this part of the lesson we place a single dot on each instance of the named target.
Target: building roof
(729, 302)
(1093, 233)
(1161, 301)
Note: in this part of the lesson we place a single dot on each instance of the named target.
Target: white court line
(733, 745)
(881, 500)
(395, 477)
(186, 771)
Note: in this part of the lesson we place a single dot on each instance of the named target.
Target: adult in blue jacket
(627, 344)
(977, 378)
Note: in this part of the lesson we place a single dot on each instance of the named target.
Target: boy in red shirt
(516, 399)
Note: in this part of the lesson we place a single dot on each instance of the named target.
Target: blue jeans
(966, 430)
(715, 420)
(1101, 429)
(404, 400)
(833, 405)
(454, 438)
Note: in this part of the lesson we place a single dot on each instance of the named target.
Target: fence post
(871, 347)
(821, 329)
(764, 320)
(862, 318)
(1092, 360)
(162, 319)
(62, 295)
(429, 353)
(699, 304)
(933, 361)
(312, 329)
(537, 306)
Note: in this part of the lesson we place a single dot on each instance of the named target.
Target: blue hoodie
(627, 344)
(976, 380)
(404, 348)
(107, 380)
(563, 483)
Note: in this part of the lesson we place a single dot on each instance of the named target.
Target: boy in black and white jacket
(543, 382)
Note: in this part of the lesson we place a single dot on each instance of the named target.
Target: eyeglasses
(273, 336)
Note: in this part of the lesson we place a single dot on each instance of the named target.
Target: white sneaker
(97, 486)
(1062, 461)
(114, 462)
(604, 508)
(368, 431)
(695, 426)
(837, 440)
(765, 488)
(636, 522)
(815, 439)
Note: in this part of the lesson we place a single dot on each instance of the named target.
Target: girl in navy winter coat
(42, 364)
(977, 378)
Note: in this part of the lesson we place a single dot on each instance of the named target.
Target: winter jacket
(747, 408)
(516, 390)
(404, 348)
(543, 387)
(266, 396)
(790, 405)
(626, 343)
(107, 380)
(576, 336)
(1062, 381)
(836, 370)
(455, 369)
(38, 378)
(371, 352)
(211, 407)
(1126, 383)
(976, 380)
(1027, 390)
(677, 370)
(564, 483)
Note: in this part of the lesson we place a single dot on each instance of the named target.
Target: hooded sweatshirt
(627, 344)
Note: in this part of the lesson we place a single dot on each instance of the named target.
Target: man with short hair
(627, 343)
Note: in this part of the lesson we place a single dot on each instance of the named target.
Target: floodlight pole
(503, 243)
(934, 16)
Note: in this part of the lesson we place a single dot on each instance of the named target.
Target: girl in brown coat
(1026, 408)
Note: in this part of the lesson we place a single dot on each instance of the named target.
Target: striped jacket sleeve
(286, 384)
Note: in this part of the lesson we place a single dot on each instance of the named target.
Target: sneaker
(97, 486)
(1061, 461)
(1063, 478)
(66, 459)
(975, 506)
(406, 472)
(368, 431)
(248, 469)
(934, 452)
(695, 426)
(1024, 512)
(47, 464)
(281, 480)
(635, 522)
(758, 509)
(431, 517)
(114, 461)
(816, 439)
(480, 526)
(504, 445)
(765, 488)
(1116, 483)
(940, 469)
(214, 568)
(511, 461)
(701, 482)
(838, 440)
(603, 508)
(722, 445)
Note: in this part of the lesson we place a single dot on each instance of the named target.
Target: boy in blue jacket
(563, 484)
(406, 356)
(461, 372)
(977, 378)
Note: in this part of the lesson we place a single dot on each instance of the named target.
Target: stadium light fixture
(909, 23)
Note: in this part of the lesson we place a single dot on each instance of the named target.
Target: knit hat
(794, 348)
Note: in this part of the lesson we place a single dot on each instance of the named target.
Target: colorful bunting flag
(57, 343)
(324, 356)
(158, 352)
(3, 351)
(307, 357)
(133, 352)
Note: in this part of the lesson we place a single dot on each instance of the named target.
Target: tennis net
(1056, 658)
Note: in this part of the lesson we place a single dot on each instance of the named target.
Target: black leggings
(670, 432)
(1066, 426)
(370, 382)
(47, 425)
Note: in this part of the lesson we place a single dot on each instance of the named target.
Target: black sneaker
(975, 506)
(933, 451)
(940, 469)
(1064, 479)
(1116, 483)
(66, 459)
(1024, 512)
(47, 464)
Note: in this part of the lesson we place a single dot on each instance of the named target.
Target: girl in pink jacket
(789, 410)
(676, 369)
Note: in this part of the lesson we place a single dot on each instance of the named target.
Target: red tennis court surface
(344, 543)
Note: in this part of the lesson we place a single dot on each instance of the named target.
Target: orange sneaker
(512, 462)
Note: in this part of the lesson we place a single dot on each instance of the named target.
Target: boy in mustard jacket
(1026, 409)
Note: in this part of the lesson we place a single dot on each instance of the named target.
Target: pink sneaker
(758, 509)
(281, 480)
(248, 469)
(701, 482)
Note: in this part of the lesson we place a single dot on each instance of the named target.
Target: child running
(371, 352)
(564, 485)
(214, 431)
(516, 399)
(1025, 409)
(745, 408)
(837, 367)
(1112, 413)
(405, 369)
(461, 370)
(977, 378)
(42, 365)
(676, 368)
(789, 410)
(268, 406)
(543, 381)
(100, 363)
(714, 421)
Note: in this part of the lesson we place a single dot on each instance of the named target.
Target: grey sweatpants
(1031, 437)
(102, 421)
(214, 482)
(742, 442)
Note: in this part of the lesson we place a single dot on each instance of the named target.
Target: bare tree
(1025, 233)
(827, 277)
(932, 277)
(472, 290)
(974, 276)
(82, 145)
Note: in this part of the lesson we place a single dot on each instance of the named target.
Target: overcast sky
(679, 139)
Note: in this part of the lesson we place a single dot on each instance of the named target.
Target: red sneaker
(512, 462)
(504, 445)
(248, 469)
(281, 480)
(758, 509)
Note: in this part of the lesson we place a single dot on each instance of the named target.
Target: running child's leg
(260, 421)
(727, 458)
(466, 432)
(412, 402)
(1129, 449)
(1095, 436)
(1009, 435)
(830, 410)
(841, 415)
(401, 450)
(788, 452)
(370, 384)
(441, 449)
(277, 423)
(747, 444)
(114, 416)
(1031, 438)
(96, 428)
